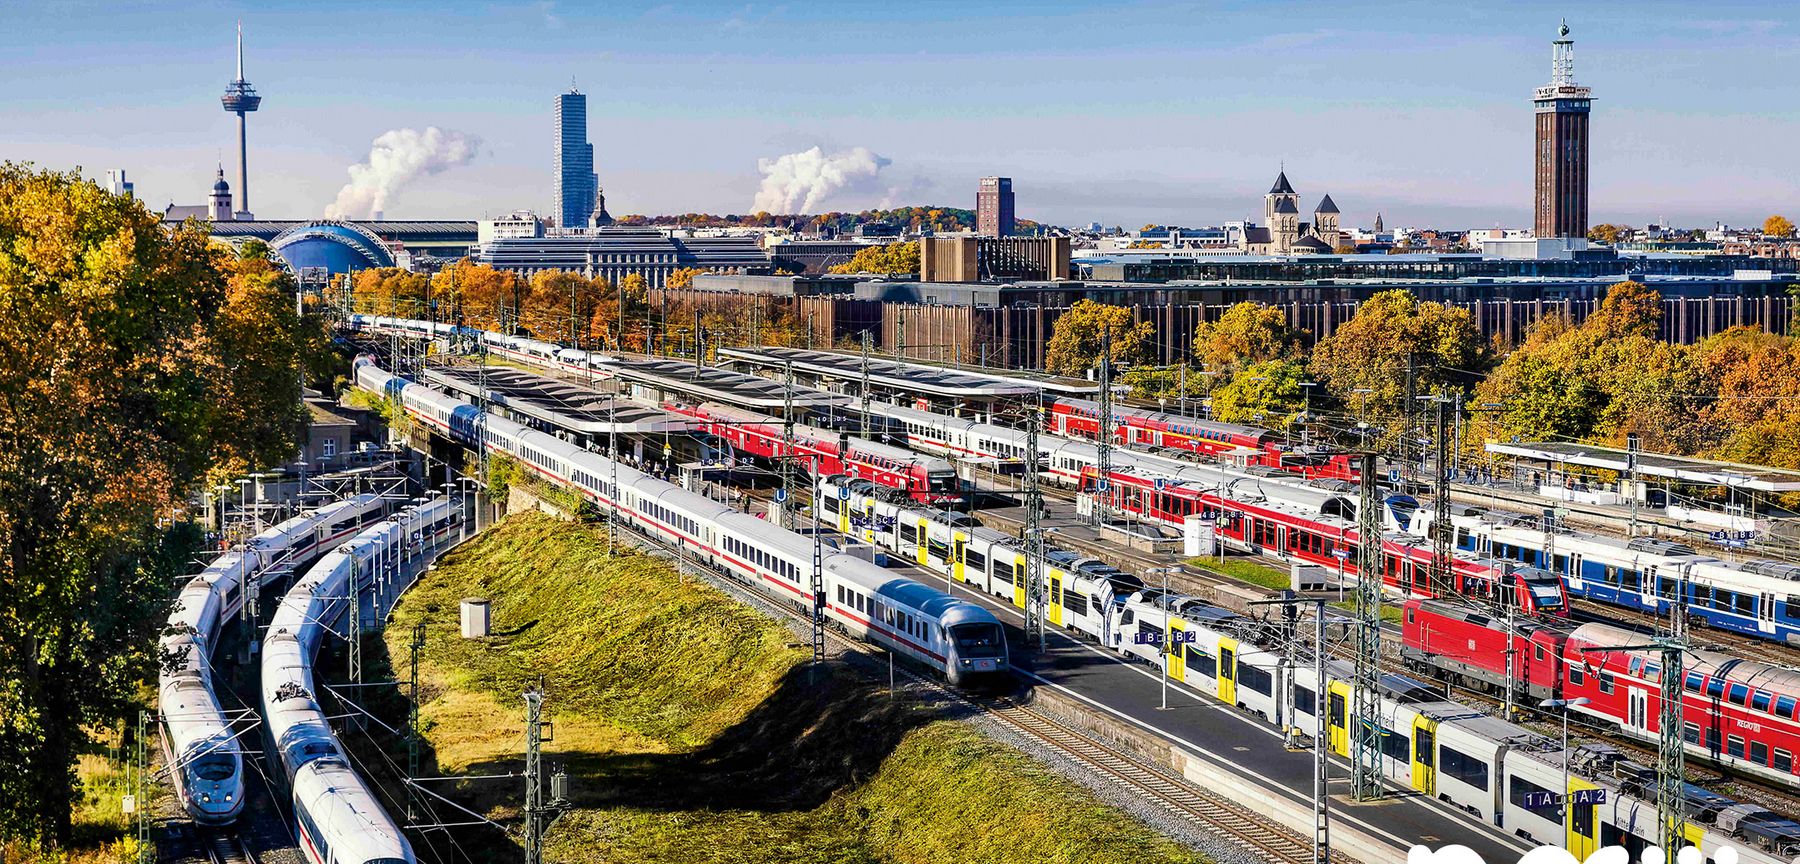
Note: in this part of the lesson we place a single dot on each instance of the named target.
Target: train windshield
(942, 481)
(214, 767)
(974, 641)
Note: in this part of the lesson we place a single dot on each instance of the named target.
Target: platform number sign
(1590, 796)
(1176, 637)
(1580, 797)
(1541, 800)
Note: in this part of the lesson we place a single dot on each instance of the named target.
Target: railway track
(224, 846)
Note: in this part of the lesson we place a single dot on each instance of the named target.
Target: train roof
(918, 596)
(1763, 676)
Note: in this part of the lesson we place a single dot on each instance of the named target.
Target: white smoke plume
(396, 159)
(800, 182)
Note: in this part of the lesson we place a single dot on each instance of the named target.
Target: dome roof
(221, 187)
(336, 246)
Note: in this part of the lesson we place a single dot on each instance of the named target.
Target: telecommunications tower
(240, 99)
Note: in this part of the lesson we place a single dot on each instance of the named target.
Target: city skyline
(1156, 113)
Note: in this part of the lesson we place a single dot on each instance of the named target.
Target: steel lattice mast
(1365, 753)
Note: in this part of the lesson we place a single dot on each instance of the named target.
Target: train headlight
(205, 798)
(228, 797)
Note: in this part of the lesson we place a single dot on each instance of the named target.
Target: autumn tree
(893, 258)
(1394, 338)
(682, 277)
(490, 299)
(128, 364)
(1778, 226)
(1074, 345)
(560, 305)
(1607, 233)
(1269, 394)
(1246, 333)
(390, 291)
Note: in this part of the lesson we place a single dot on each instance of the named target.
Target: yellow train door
(923, 554)
(1338, 721)
(1054, 611)
(1019, 582)
(1424, 755)
(1172, 654)
(957, 543)
(1583, 828)
(1228, 671)
(869, 524)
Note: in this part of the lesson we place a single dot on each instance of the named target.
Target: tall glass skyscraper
(576, 181)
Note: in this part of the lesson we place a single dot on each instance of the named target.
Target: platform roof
(558, 402)
(958, 382)
(1684, 469)
(709, 384)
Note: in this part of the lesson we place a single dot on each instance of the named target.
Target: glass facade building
(576, 182)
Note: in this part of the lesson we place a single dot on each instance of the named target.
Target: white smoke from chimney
(800, 182)
(396, 159)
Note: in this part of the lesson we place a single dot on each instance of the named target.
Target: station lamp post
(1564, 705)
(1168, 645)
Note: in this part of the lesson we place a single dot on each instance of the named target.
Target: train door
(1637, 709)
(958, 542)
(1228, 671)
(1582, 832)
(1053, 603)
(1018, 582)
(923, 553)
(1424, 760)
(1337, 723)
(1765, 613)
(1172, 656)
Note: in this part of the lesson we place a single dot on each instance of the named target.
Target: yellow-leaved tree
(1075, 342)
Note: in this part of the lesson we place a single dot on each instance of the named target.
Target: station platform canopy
(1681, 469)
(726, 386)
(951, 382)
(555, 402)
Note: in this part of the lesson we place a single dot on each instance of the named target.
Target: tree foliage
(131, 358)
(1268, 394)
(1246, 333)
(1607, 233)
(682, 277)
(1074, 346)
(1392, 333)
(391, 291)
(1778, 226)
(893, 258)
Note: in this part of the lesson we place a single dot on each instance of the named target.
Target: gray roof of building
(1313, 243)
(1326, 206)
(905, 375)
(184, 212)
(1281, 186)
(1286, 205)
(1257, 234)
(1687, 469)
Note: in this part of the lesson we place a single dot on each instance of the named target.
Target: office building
(994, 207)
(117, 184)
(614, 253)
(1562, 146)
(576, 182)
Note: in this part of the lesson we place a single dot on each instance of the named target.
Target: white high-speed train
(207, 758)
(962, 641)
(338, 820)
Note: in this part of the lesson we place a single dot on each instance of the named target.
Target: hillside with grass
(693, 731)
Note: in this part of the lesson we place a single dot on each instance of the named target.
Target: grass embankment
(692, 732)
(103, 834)
(1245, 570)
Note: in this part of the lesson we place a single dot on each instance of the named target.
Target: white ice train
(337, 819)
(962, 641)
(206, 756)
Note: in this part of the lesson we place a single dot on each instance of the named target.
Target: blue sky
(1123, 113)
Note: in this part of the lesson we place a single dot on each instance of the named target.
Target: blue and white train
(961, 640)
(338, 820)
(206, 758)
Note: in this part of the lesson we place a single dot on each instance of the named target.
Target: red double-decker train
(926, 479)
(1739, 714)
(1143, 427)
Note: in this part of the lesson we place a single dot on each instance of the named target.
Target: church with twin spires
(1282, 232)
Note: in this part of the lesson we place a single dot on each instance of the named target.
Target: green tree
(1391, 334)
(113, 336)
(1246, 333)
(1778, 226)
(1265, 394)
(893, 258)
(1074, 345)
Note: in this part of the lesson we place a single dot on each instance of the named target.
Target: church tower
(218, 204)
(1325, 222)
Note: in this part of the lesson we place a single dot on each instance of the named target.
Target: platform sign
(1393, 475)
(1590, 796)
(780, 496)
(1162, 483)
(1176, 637)
(1341, 552)
(843, 493)
(1540, 800)
(1102, 485)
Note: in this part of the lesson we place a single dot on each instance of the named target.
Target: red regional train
(1738, 714)
(926, 479)
(1139, 426)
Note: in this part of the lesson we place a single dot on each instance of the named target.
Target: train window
(1395, 746)
(1074, 603)
(1784, 761)
(1693, 682)
(1784, 706)
(1734, 746)
(1463, 767)
(1305, 700)
(1200, 660)
(1540, 651)
(1259, 680)
(1760, 700)
(1759, 752)
(1745, 604)
(1606, 682)
(1740, 694)
(1690, 732)
(972, 558)
(1575, 676)
(1518, 789)
(908, 534)
(1715, 688)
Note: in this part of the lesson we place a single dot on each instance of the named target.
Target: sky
(1123, 113)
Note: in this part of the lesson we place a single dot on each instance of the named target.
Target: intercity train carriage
(962, 641)
(1738, 714)
(208, 758)
(924, 478)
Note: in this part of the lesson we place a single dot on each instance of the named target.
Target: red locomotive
(1738, 714)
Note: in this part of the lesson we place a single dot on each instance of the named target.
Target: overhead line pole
(1103, 439)
(1034, 534)
(1365, 759)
